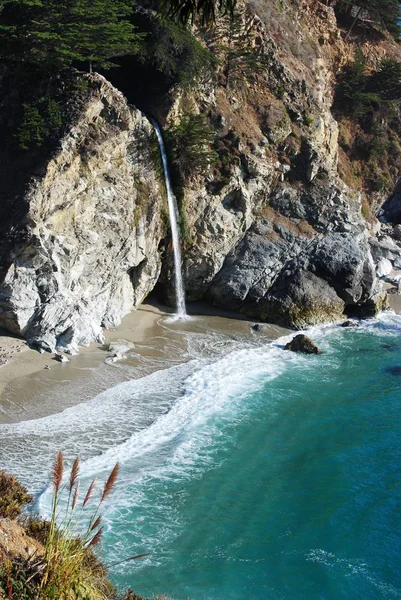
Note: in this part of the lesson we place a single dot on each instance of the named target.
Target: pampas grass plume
(74, 473)
(89, 492)
(110, 483)
(57, 473)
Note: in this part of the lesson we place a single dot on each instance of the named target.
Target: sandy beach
(33, 385)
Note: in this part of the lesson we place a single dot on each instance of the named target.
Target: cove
(256, 474)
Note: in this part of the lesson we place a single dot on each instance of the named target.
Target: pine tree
(232, 44)
(58, 33)
(386, 12)
(205, 10)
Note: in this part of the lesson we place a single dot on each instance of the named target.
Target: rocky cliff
(285, 239)
(274, 229)
(92, 222)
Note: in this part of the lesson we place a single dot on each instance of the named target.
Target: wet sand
(34, 385)
(395, 302)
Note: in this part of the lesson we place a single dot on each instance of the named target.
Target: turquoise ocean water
(259, 474)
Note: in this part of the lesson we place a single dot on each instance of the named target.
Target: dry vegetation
(54, 560)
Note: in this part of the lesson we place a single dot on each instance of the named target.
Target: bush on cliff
(367, 105)
(175, 52)
(62, 566)
(13, 496)
(191, 142)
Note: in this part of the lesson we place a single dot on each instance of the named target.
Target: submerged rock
(301, 343)
(394, 370)
(349, 323)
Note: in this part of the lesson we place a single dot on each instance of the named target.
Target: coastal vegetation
(383, 13)
(367, 105)
(55, 559)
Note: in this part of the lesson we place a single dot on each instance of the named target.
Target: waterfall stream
(175, 234)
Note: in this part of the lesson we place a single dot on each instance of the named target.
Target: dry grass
(54, 560)
(301, 229)
(66, 568)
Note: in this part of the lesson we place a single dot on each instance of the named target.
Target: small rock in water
(257, 327)
(61, 358)
(391, 347)
(349, 324)
(117, 350)
(394, 370)
(301, 343)
(47, 368)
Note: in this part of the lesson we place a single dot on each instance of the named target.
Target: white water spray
(173, 211)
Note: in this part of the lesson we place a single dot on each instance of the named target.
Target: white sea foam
(208, 392)
(129, 419)
(183, 443)
(352, 567)
(163, 422)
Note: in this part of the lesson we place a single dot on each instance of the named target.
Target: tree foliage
(231, 43)
(39, 121)
(58, 33)
(176, 53)
(206, 10)
(190, 142)
(367, 104)
(385, 12)
(360, 93)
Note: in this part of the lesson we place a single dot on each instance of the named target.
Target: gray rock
(397, 232)
(90, 252)
(61, 358)
(277, 235)
(118, 349)
(384, 267)
(348, 323)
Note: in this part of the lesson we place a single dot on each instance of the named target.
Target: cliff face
(93, 221)
(285, 239)
(272, 230)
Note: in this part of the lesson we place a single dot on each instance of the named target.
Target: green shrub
(13, 496)
(190, 142)
(360, 93)
(175, 52)
(308, 119)
(40, 119)
(32, 131)
(387, 79)
(354, 97)
(367, 106)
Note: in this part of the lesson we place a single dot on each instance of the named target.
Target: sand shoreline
(29, 379)
(20, 361)
(34, 385)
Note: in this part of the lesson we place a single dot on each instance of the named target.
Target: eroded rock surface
(93, 225)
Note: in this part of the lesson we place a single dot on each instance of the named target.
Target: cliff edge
(280, 224)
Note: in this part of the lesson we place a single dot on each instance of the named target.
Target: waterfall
(175, 234)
